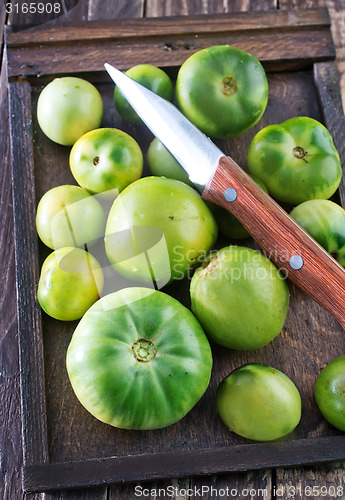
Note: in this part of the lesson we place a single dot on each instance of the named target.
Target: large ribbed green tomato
(259, 402)
(139, 359)
(157, 229)
(296, 160)
(67, 108)
(223, 90)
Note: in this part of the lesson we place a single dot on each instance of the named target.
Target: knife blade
(220, 180)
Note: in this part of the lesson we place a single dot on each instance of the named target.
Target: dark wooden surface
(10, 449)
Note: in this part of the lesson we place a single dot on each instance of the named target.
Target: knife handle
(288, 245)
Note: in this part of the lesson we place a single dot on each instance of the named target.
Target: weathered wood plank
(22, 15)
(10, 415)
(277, 49)
(34, 428)
(182, 463)
(326, 80)
(326, 481)
(336, 10)
(157, 8)
(103, 9)
(174, 25)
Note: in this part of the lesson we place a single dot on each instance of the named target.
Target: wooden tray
(63, 445)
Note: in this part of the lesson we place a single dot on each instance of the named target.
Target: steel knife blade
(220, 180)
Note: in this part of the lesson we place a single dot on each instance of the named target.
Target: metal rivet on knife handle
(230, 194)
(296, 262)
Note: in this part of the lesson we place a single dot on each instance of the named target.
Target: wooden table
(266, 484)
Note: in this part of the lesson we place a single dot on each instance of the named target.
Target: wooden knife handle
(281, 238)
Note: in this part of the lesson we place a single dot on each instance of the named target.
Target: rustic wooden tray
(63, 445)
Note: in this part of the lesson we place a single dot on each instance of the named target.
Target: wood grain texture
(10, 415)
(172, 7)
(181, 463)
(34, 428)
(336, 9)
(167, 25)
(326, 81)
(276, 42)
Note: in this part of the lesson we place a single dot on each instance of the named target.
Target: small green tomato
(324, 220)
(106, 159)
(151, 77)
(330, 392)
(69, 216)
(163, 164)
(259, 402)
(71, 281)
(67, 108)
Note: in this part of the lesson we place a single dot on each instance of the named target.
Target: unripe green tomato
(106, 159)
(162, 163)
(69, 216)
(330, 392)
(223, 90)
(259, 402)
(71, 281)
(67, 108)
(324, 220)
(157, 229)
(139, 359)
(296, 160)
(151, 77)
(240, 298)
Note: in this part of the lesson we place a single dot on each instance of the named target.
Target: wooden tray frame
(42, 54)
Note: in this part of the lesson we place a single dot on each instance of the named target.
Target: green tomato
(157, 229)
(67, 108)
(139, 360)
(106, 159)
(151, 77)
(163, 164)
(324, 220)
(330, 392)
(222, 90)
(69, 216)
(259, 402)
(296, 160)
(240, 298)
(71, 281)
(228, 224)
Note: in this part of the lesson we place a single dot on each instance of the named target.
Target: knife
(220, 180)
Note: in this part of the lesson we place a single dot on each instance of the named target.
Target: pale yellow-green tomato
(259, 402)
(71, 281)
(69, 216)
(67, 108)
